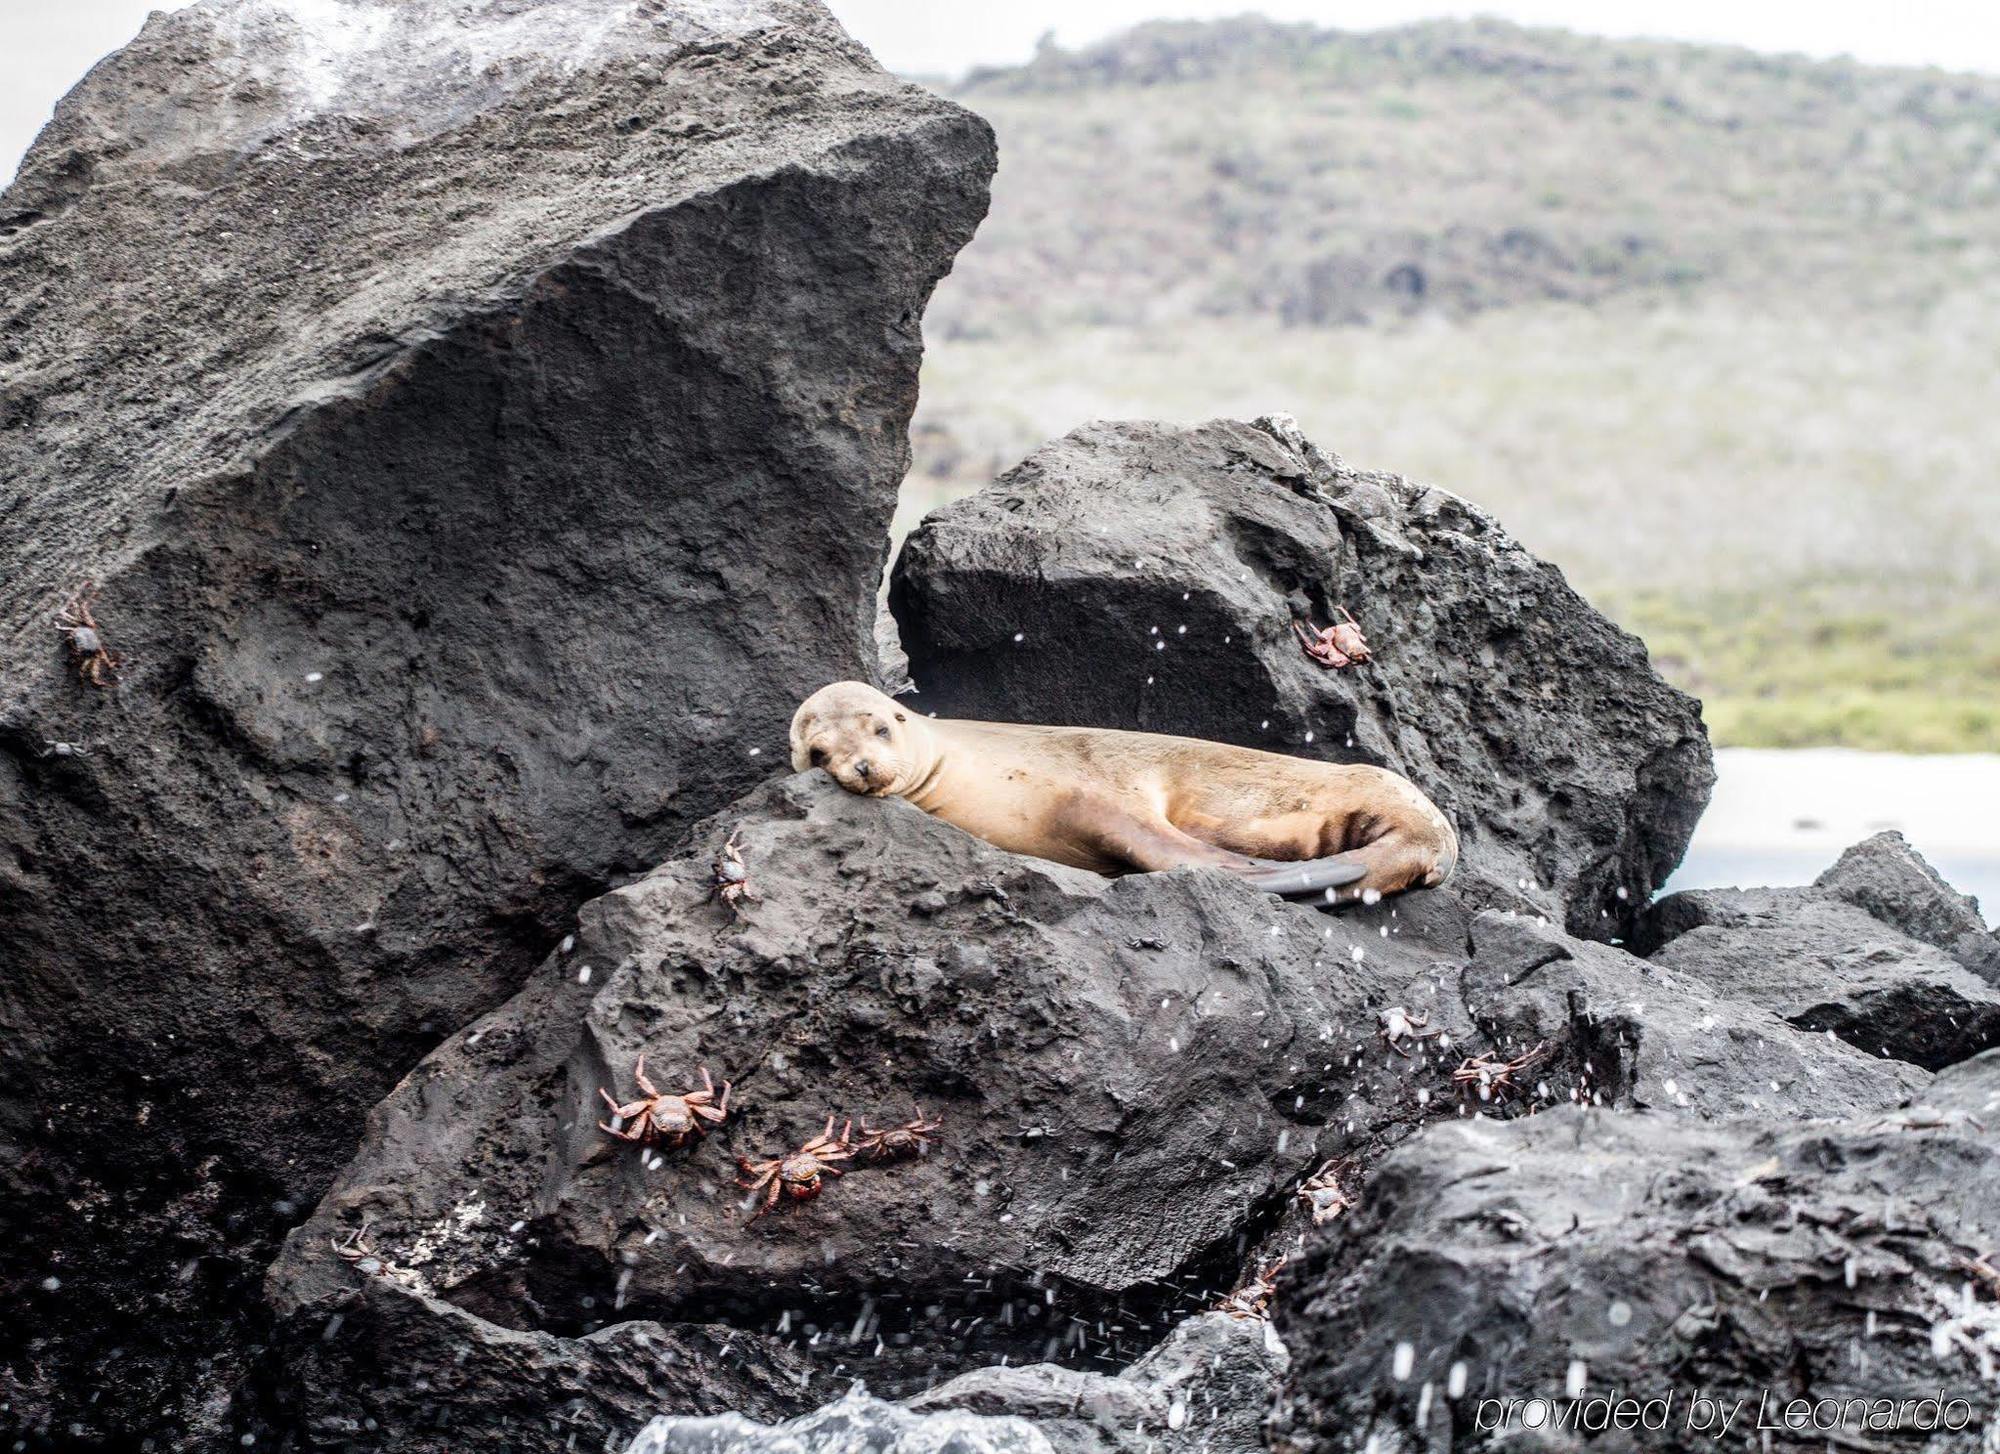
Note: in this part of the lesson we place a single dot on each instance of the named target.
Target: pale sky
(45, 47)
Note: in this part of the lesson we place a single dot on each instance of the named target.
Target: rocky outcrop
(1144, 576)
(500, 445)
(1824, 965)
(1501, 1283)
(1649, 1036)
(1131, 1079)
(1891, 881)
(1879, 951)
(392, 1368)
(472, 428)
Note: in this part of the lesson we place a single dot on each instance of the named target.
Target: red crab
(911, 1139)
(798, 1174)
(1336, 646)
(660, 1117)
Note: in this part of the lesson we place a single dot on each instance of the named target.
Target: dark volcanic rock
(393, 1369)
(1890, 879)
(1143, 576)
(481, 423)
(1132, 1075)
(1635, 1256)
(1852, 955)
(1825, 965)
(1646, 1036)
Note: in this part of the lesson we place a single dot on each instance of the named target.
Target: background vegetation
(1718, 332)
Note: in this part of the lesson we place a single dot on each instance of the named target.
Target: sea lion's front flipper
(1307, 877)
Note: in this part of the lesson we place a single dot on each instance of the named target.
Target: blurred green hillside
(1718, 332)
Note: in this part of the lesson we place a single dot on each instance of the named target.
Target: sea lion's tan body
(1119, 802)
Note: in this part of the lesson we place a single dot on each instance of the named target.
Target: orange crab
(797, 1175)
(661, 1117)
(1335, 646)
(911, 1139)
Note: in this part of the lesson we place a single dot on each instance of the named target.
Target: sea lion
(1135, 802)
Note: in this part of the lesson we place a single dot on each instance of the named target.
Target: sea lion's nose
(865, 768)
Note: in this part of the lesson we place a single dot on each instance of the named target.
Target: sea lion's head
(867, 743)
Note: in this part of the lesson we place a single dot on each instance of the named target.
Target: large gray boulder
(1879, 950)
(474, 425)
(1502, 1285)
(1132, 1078)
(1146, 576)
(1890, 879)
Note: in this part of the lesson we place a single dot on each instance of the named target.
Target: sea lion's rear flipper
(1154, 845)
(1308, 877)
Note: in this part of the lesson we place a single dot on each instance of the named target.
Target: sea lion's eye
(882, 731)
(818, 757)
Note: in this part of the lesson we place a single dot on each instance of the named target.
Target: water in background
(1781, 817)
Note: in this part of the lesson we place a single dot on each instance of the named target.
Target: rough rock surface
(1145, 576)
(1823, 964)
(1132, 1077)
(1646, 1036)
(1882, 876)
(1887, 877)
(854, 1423)
(393, 1369)
(1578, 1255)
(1879, 950)
(481, 424)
